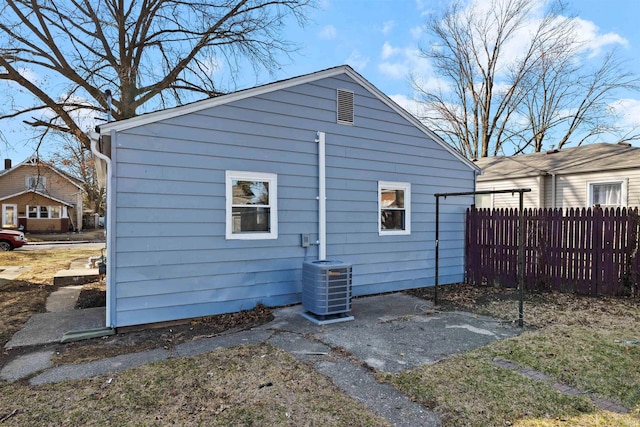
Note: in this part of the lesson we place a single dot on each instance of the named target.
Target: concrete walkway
(390, 333)
(7, 274)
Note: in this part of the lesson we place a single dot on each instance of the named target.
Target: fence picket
(587, 251)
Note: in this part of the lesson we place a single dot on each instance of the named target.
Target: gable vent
(345, 107)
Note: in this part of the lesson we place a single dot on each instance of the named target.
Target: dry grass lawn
(249, 385)
(583, 342)
(586, 343)
(244, 386)
(22, 298)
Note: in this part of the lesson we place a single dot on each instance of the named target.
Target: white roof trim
(39, 194)
(107, 128)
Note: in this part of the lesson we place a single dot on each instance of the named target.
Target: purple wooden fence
(586, 251)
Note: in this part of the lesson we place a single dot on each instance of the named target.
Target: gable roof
(574, 160)
(105, 129)
(34, 161)
(62, 202)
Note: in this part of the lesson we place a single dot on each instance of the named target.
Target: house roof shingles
(583, 159)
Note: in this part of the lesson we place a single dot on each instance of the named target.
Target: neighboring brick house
(39, 197)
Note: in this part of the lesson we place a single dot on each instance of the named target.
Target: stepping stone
(64, 299)
(77, 276)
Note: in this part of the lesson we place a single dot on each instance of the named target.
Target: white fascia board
(46, 196)
(153, 117)
(410, 118)
(170, 113)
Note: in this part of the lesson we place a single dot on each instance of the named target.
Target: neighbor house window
(251, 199)
(484, 201)
(394, 207)
(608, 194)
(44, 212)
(35, 182)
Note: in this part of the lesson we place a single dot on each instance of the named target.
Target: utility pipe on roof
(322, 198)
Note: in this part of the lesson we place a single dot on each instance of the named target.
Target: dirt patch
(157, 336)
(541, 309)
(83, 236)
(92, 295)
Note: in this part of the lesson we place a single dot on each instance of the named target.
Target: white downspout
(322, 198)
(110, 250)
(553, 190)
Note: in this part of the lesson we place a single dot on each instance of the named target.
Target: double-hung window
(608, 194)
(251, 205)
(35, 182)
(394, 208)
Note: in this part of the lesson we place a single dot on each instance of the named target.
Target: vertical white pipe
(322, 198)
(553, 190)
(109, 229)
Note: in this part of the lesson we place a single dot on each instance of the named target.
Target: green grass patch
(469, 390)
(584, 358)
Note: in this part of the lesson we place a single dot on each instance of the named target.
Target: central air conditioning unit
(326, 291)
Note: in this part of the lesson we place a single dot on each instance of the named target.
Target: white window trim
(623, 191)
(491, 198)
(272, 178)
(39, 178)
(63, 211)
(389, 185)
(47, 209)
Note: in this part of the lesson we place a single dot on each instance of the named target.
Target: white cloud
(417, 32)
(398, 70)
(628, 112)
(85, 118)
(357, 61)
(211, 65)
(29, 74)
(588, 33)
(387, 27)
(424, 7)
(408, 62)
(411, 105)
(388, 51)
(328, 32)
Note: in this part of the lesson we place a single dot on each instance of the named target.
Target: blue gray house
(210, 205)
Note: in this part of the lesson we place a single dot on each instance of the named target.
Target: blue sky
(379, 39)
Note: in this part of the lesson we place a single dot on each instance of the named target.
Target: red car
(9, 240)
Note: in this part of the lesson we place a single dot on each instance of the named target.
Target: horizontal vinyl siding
(173, 260)
(572, 192)
(508, 200)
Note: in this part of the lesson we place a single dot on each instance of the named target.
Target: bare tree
(509, 77)
(73, 159)
(150, 53)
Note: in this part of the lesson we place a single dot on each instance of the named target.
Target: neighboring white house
(209, 205)
(602, 174)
